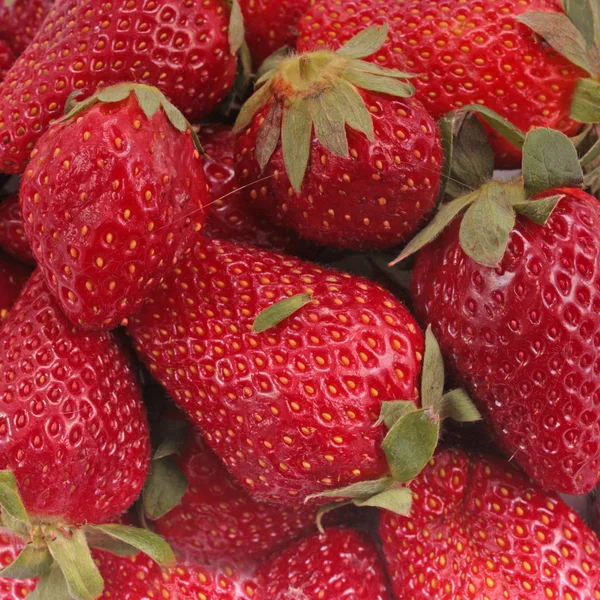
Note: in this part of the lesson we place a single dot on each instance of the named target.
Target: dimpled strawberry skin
(465, 52)
(12, 231)
(110, 201)
(524, 337)
(291, 410)
(20, 22)
(73, 428)
(341, 564)
(179, 46)
(12, 589)
(13, 276)
(479, 528)
(373, 198)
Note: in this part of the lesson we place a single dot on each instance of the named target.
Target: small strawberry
(20, 20)
(12, 589)
(74, 447)
(12, 231)
(229, 216)
(179, 46)
(7, 58)
(479, 528)
(359, 162)
(111, 201)
(339, 564)
(13, 276)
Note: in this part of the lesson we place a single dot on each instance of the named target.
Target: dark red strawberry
(111, 201)
(180, 46)
(12, 589)
(7, 58)
(359, 162)
(479, 528)
(464, 52)
(339, 564)
(13, 276)
(230, 217)
(20, 20)
(12, 231)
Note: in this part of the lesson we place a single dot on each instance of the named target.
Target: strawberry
(464, 53)
(180, 46)
(366, 175)
(12, 231)
(20, 20)
(230, 217)
(480, 529)
(74, 446)
(111, 201)
(7, 58)
(339, 564)
(13, 276)
(12, 589)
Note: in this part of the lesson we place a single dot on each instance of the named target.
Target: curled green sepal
(278, 312)
(32, 563)
(236, 27)
(327, 508)
(10, 499)
(538, 211)
(365, 43)
(397, 499)
(585, 103)
(361, 489)
(392, 410)
(505, 128)
(164, 488)
(51, 586)
(457, 404)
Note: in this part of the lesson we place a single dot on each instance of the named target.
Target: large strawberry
(12, 230)
(466, 52)
(7, 58)
(13, 276)
(179, 46)
(359, 161)
(74, 447)
(112, 199)
(480, 529)
(20, 20)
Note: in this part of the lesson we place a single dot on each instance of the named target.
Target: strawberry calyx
(319, 91)
(58, 553)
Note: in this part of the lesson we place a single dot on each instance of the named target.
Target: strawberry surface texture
(12, 230)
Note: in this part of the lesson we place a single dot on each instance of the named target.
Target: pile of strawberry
(276, 321)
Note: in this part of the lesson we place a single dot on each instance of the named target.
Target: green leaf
(78, 108)
(296, 134)
(591, 155)
(410, 444)
(52, 586)
(449, 125)
(365, 43)
(196, 141)
(268, 134)
(487, 224)
(585, 104)
(397, 500)
(251, 107)
(328, 118)
(276, 313)
(581, 13)
(432, 379)
(355, 112)
(549, 161)
(560, 33)
(327, 508)
(538, 211)
(164, 488)
(101, 541)
(236, 27)
(270, 64)
(70, 104)
(148, 100)
(115, 93)
(174, 115)
(458, 405)
(70, 551)
(145, 541)
(505, 128)
(578, 139)
(447, 213)
(174, 435)
(368, 67)
(362, 489)
(375, 83)
(393, 410)
(32, 563)
(10, 499)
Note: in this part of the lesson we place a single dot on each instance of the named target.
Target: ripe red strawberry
(178, 45)
(339, 564)
(12, 231)
(20, 20)
(7, 58)
(479, 528)
(111, 201)
(13, 276)
(366, 175)
(229, 216)
(12, 589)
(291, 410)
(464, 52)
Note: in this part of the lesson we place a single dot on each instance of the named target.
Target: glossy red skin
(20, 22)
(375, 200)
(230, 217)
(7, 58)
(341, 564)
(73, 427)
(479, 528)
(12, 231)
(445, 43)
(179, 46)
(273, 405)
(523, 338)
(13, 276)
(12, 589)
(131, 196)
(271, 25)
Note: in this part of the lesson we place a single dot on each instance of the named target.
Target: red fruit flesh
(20, 21)
(464, 52)
(12, 589)
(110, 202)
(374, 198)
(12, 231)
(479, 529)
(341, 564)
(73, 428)
(13, 276)
(291, 411)
(7, 58)
(523, 337)
(179, 46)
